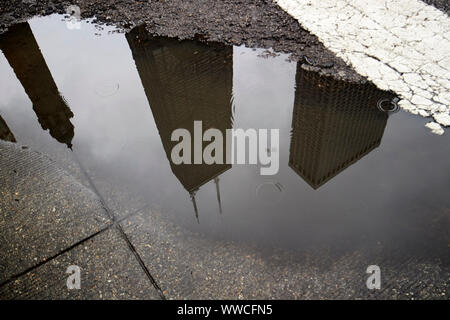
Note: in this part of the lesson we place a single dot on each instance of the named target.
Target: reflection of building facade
(334, 124)
(5, 133)
(186, 81)
(22, 52)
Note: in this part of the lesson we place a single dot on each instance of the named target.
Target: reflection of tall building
(186, 81)
(22, 52)
(5, 133)
(334, 124)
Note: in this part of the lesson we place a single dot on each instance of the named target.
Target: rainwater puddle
(349, 174)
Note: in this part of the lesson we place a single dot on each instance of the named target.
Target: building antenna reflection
(194, 202)
(216, 182)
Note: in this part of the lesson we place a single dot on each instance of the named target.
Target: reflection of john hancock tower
(22, 52)
(334, 124)
(186, 81)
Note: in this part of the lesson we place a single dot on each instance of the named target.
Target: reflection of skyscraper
(334, 124)
(22, 52)
(5, 133)
(185, 81)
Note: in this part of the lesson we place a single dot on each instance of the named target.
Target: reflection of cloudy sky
(9, 89)
(116, 129)
(262, 84)
(82, 64)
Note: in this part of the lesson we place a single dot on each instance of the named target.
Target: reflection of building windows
(5, 133)
(22, 52)
(186, 81)
(334, 124)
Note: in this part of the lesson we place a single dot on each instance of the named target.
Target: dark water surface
(349, 173)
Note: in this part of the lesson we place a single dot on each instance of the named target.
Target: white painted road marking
(400, 45)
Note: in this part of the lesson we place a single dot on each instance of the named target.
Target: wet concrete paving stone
(43, 209)
(119, 200)
(188, 265)
(108, 270)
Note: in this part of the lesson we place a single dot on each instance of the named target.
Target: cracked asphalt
(399, 45)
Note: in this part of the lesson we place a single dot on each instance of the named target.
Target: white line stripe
(400, 45)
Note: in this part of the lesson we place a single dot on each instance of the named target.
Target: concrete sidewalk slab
(108, 270)
(43, 209)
